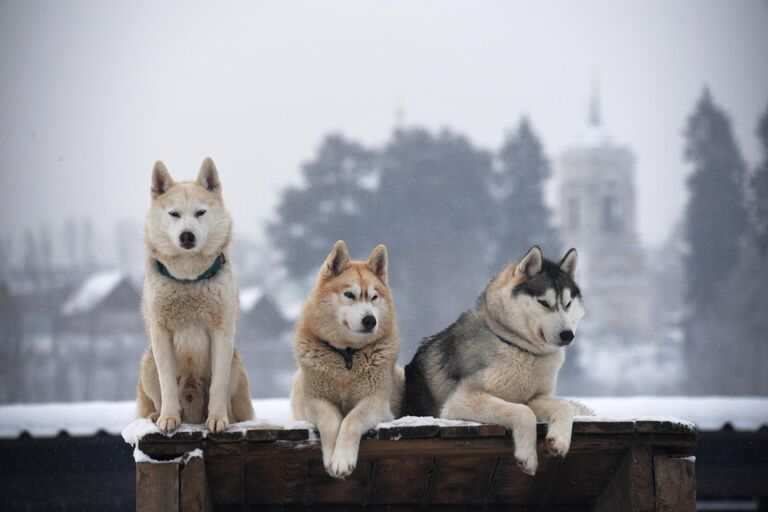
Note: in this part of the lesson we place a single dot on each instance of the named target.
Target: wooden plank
(275, 481)
(461, 481)
(262, 435)
(664, 427)
(226, 480)
(675, 484)
(194, 486)
(405, 448)
(473, 431)
(178, 437)
(225, 437)
(632, 487)
(157, 487)
(399, 481)
(604, 427)
(324, 489)
(293, 434)
(415, 432)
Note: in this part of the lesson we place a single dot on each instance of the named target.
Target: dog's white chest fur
(520, 376)
(192, 348)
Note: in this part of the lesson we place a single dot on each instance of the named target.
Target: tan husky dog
(191, 370)
(346, 345)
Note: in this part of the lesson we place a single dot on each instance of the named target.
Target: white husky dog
(191, 370)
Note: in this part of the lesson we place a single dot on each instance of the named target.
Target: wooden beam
(194, 487)
(157, 487)
(632, 487)
(675, 484)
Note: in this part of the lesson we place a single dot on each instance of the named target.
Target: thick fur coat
(498, 363)
(191, 372)
(346, 345)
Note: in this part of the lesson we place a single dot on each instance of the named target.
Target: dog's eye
(349, 295)
(200, 213)
(374, 298)
(544, 303)
(174, 214)
(568, 305)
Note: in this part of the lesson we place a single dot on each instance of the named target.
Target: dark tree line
(727, 278)
(450, 213)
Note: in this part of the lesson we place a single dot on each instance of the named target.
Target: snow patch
(422, 421)
(140, 456)
(619, 419)
(88, 418)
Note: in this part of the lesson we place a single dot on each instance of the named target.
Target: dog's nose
(187, 239)
(566, 337)
(369, 322)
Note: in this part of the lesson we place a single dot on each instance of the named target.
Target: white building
(597, 196)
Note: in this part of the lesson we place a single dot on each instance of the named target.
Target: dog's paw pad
(217, 423)
(168, 423)
(557, 446)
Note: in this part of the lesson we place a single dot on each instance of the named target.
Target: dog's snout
(187, 239)
(369, 322)
(566, 337)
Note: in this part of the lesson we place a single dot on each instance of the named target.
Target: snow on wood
(423, 421)
(88, 418)
(140, 456)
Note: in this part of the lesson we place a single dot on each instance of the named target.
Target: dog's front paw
(168, 422)
(527, 461)
(342, 464)
(153, 416)
(557, 445)
(327, 456)
(217, 423)
(558, 439)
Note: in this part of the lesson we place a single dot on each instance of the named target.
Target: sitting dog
(498, 363)
(191, 371)
(346, 344)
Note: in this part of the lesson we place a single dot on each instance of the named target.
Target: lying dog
(346, 345)
(498, 363)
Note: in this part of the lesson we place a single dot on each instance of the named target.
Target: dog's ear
(337, 261)
(531, 263)
(377, 262)
(208, 177)
(568, 263)
(161, 179)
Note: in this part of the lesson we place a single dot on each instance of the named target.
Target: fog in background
(92, 93)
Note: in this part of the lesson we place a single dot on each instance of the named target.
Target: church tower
(597, 198)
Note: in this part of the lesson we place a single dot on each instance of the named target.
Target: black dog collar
(347, 354)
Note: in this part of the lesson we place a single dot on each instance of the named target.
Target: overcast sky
(94, 92)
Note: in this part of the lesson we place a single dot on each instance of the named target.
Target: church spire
(594, 103)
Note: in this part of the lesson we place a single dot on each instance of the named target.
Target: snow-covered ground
(87, 418)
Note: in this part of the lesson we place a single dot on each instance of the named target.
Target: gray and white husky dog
(498, 363)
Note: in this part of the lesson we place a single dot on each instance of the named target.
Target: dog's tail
(579, 409)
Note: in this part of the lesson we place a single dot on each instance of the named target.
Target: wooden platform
(612, 466)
